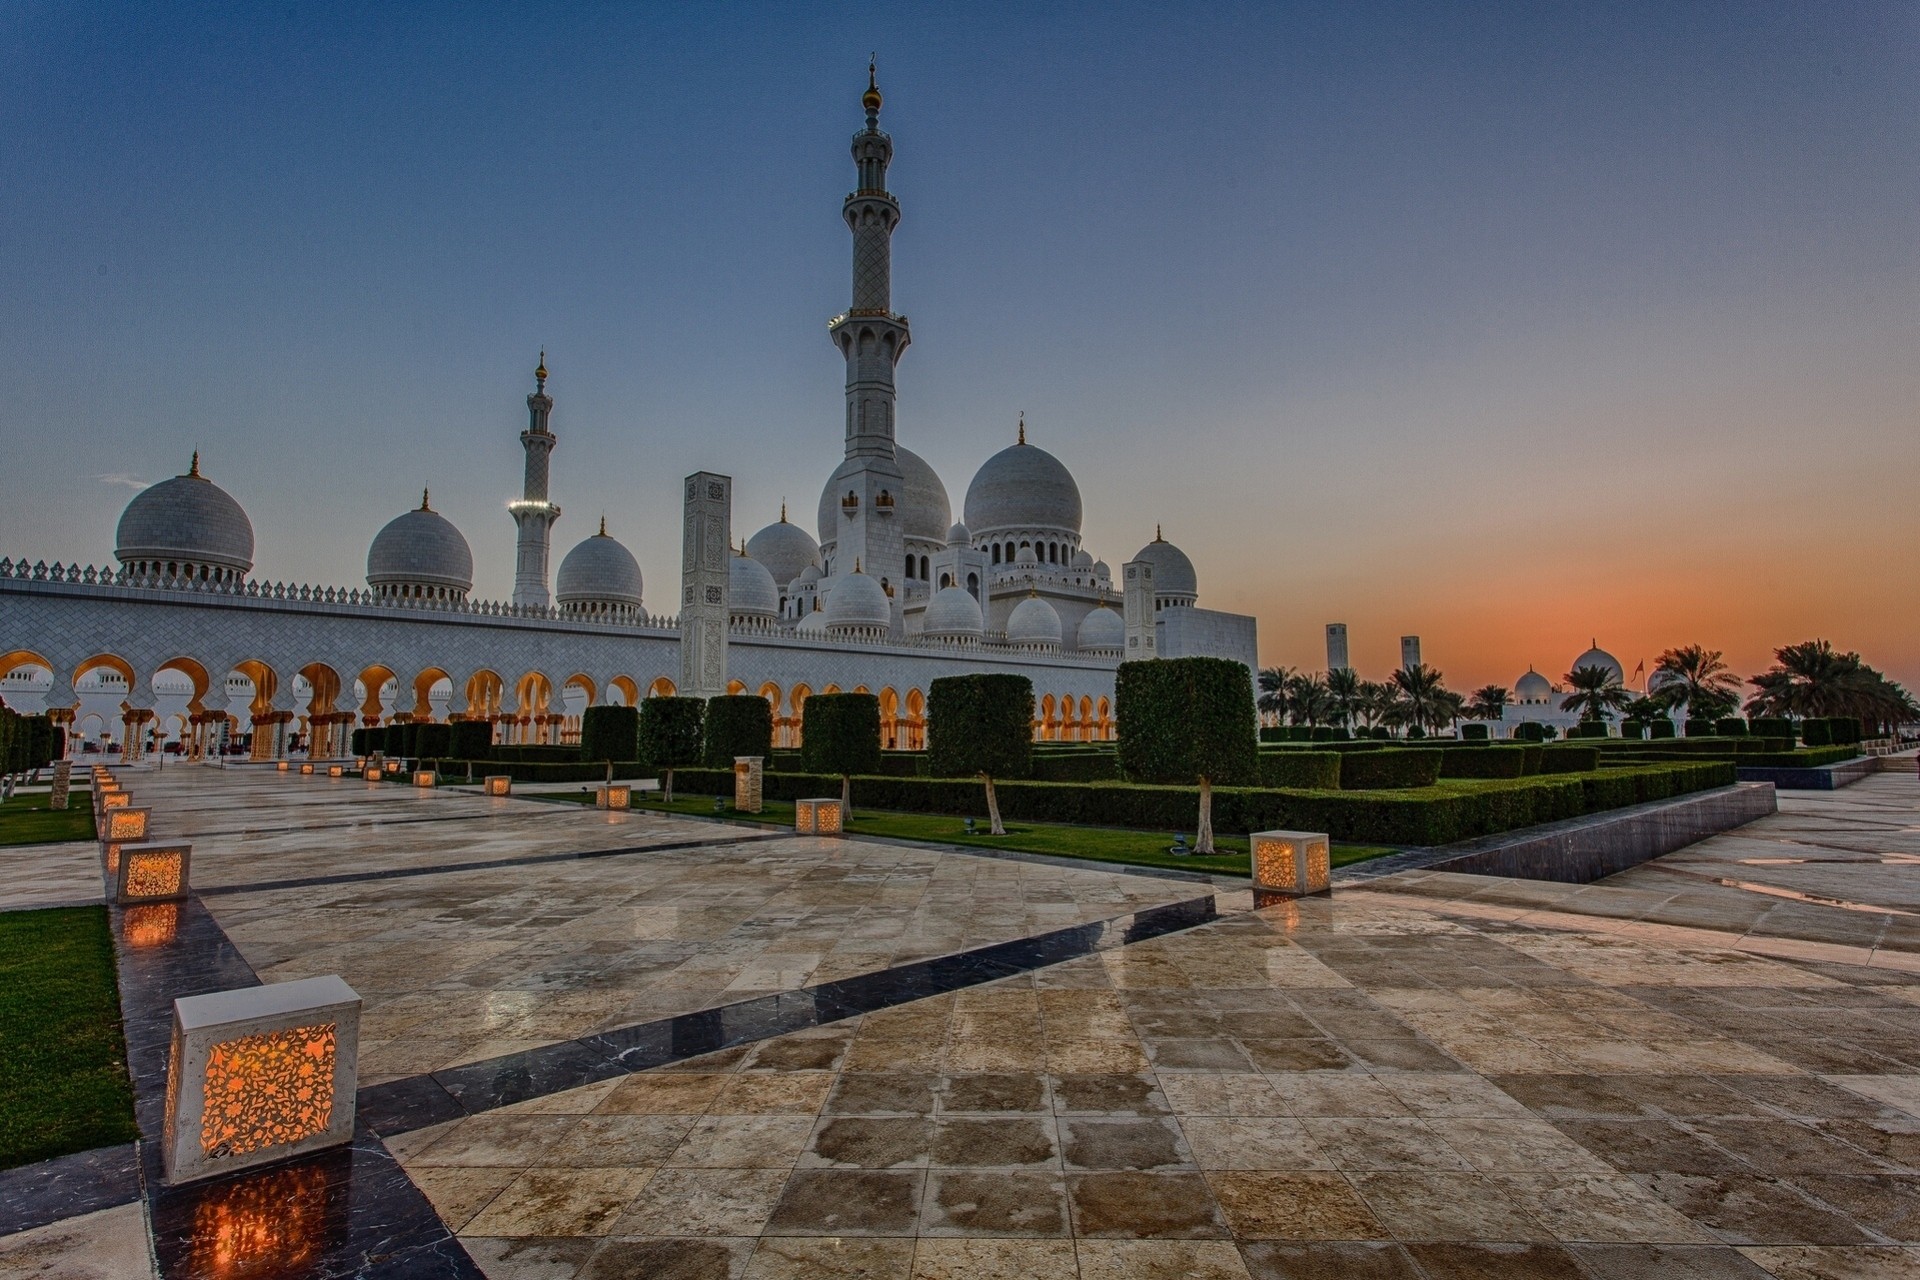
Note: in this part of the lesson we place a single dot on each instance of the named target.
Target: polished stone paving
(1659, 1075)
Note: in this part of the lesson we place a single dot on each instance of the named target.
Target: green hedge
(672, 732)
(1529, 731)
(1772, 727)
(434, 741)
(1091, 767)
(533, 753)
(609, 733)
(840, 733)
(1485, 762)
(1588, 729)
(1475, 733)
(1305, 770)
(1391, 770)
(1697, 728)
(471, 739)
(983, 725)
(1423, 816)
(1569, 759)
(521, 771)
(1660, 728)
(737, 725)
(1633, 730)
(1183, 719)
(1730, 727)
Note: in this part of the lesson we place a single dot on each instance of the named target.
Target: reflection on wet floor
(1777, 891)
(1892, 860)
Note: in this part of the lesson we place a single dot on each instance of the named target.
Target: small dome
(599, 571)
(785, 549)
(1100, 569)
(921, 505)
(1173, 573)
(814, 624)
(1532, 687)
(1598, 657)
(959, 535)
(857, 602)
(420, 549)
(750, 589)
(809, 575)
(1023, 487)
(1102, 629)
(186, 520)
(953, 612)
(1033, 621)
(1083, 560)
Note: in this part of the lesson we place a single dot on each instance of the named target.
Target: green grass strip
(63, 1068)
(1094, 844)
(28, 820)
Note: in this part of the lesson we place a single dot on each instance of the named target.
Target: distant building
(1409, 652)
(1337, 646)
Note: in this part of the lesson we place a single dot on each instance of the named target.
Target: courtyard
(638, 1044)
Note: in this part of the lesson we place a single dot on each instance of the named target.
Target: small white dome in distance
(750, 589)
(953, 613)
(1174, 581)
(1102, 631)
(809, 575)
(420, 553)
(785, 549)
(1083, 559)
(189, 522)
(1532, 687)
(598, 576)
(814, 624)
(858, 603)
(959, 535)
(1033, 622)
(1598, 657)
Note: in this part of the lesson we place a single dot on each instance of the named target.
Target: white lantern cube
(372, 774)
(425, 778)
(613, 795)
(260, 1074)
(1294, 863)
(282, 767)
(818, 817)
(123, 823)
(153, 871)
(748, 772)
(336, 771)
(115, 800)
(499, 784)
(306, 769)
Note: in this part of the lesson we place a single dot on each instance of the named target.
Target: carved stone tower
(532, 512)
(871, 339)
(705, 543)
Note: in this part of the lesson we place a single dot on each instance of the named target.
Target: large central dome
(186, 521)
(420, 553)
(598, 576)
(1023, 487)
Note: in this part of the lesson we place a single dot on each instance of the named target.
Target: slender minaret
(871, 338)
(533, 513)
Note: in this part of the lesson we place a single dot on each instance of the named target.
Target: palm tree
(1273, 690)
(1373, 702)
(1596, 692)
(1344, 691)
(1307, 700)
(1697, 677)
(1423, 695)
(1488, 702)
(1810, 679)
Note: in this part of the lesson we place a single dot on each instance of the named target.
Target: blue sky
(1511, 326)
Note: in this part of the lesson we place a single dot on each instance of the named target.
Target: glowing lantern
(612, 795)
(747, 773)
(393, 766)
(425, 778)
(817, 817)
(115, 800)
(260, 1074)
(499, 784)
(124, 824)
(336, 771)
(1292, 863)
(283, 766)
(373, 773)
(152, 872)
(306, 769)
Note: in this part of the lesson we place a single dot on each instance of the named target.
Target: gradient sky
(1510, 327)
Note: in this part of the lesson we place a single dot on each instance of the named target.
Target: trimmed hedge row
(578, 771)
(737, 725)
(1581, 759)
(1424, 816)
(1487, 762)
(1390, 770)
(1305, 770)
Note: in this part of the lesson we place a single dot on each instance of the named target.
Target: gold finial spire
(193, 468)
(1023, 426)
(856, 564)
(871, 98)
(1156, 534)
(603, 525)
(423, 501)
(783, 511)
(540, 373)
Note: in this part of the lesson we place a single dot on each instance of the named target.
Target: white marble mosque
(888, 592)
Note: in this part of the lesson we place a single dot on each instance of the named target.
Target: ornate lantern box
(499, 784)
(306, 769)
(818, 817)
(336, 771)
(393, 766)
(260, 1074)
(123, 824)
(151, 872)
(283, 766)
(1293, 863)
(425, 778)
(748, 772)
(115, 800)
(613, 795)
(373, 773)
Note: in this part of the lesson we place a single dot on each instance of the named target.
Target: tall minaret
(871, 338)
(533, 513)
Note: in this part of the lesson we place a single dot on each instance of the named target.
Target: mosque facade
(888, 593)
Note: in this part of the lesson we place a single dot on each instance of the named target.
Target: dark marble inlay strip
(444, 868)
(34, 1195)
(346, 1212)
(400, 1106)
(358, 823)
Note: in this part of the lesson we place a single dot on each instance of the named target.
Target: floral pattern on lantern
(613, 795)
(820, 817)
(268, 1090)
(1293, 863)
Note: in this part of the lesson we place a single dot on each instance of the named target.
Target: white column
(706, 538)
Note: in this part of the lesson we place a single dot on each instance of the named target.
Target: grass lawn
(27, 820)
(63, 1071)
(1096, 844)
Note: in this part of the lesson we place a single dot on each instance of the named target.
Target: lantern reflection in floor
(153, 925)
(265, 1225)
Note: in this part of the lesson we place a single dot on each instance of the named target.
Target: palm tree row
(1415, 697)
(1811, 679)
